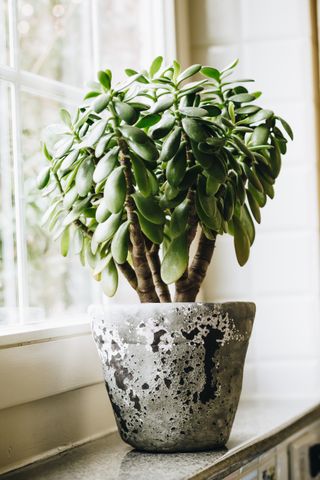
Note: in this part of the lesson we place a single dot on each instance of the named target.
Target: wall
(273, 40)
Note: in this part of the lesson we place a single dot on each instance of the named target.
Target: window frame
(37, 350)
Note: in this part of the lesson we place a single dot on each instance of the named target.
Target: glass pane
(52, 37)
(8, 275)
(4, 33)
(120, 35)
(56, 285)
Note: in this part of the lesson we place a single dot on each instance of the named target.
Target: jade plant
(146, 167)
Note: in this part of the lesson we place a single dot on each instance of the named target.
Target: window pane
(4, 33)
(120, 39)
(8, 277)
(52, 37)
(56, 284)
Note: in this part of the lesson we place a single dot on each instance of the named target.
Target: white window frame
(33, 363)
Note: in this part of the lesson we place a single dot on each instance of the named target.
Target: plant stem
(188, 289)
(155, 265)
(146, 288)
(128, 272)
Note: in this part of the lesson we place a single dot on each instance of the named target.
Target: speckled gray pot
(173, 371)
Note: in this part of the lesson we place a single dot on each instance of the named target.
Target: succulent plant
(144, 164)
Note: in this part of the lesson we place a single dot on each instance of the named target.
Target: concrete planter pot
(173, 371)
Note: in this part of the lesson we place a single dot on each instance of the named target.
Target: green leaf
(242, 98)
(175, 260)
(211, 72)
(84, 177)
(102, 145)
(212, 110)
(105, 230)
(252, 177)
(97, 130)
(70, 197)
(254, 207)
(193, 111)
(66, 117)
(109, 279)
(149, 208)
(43, 178)
(242, 146)
(275, 158)
(115, 190)
(257, 117)
(247, 223)
(101, 102)
(179, 219)
(77, 241)
(147, 150)
(148, 121)
(126, 112)
(102, 263)
(104, 79)
(212, 185)
(247, 109)
(194, 129)
(241, 242)
(176, 167)
(286, 126)
(134, 134)
(105, 165)
(164, 103)
(231, 66)
(214, 223)
(64, 242)
(141, 175)
(62, 146)
(151, 230)
(69, 160)
(229, 203)
(102, 212)
(120, 242)
(259, 136)
(171, 145)
(155, 66)
(208, 202)
(192, 70)
(162, 128)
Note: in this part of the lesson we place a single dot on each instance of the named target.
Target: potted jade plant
(141, 171)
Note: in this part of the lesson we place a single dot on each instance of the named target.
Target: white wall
(274, 43)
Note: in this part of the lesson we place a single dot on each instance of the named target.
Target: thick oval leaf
(155, 66)
(62, 146)
(214, 223)
(171, 145)
(149, 208)
(115, 190)
(101, 102)
(109, 279)
(126, 112)
(254, 207)
(102, 145)
(241, 242)
(275, 158)
(252, 177)
(212, 110)
(242, 98)
(69, 160)
(43, 178)
(207, 202)
(147, 150)
(211, 73)
(194, 129)
(192, 70)
(64, 242)
(193, 111)
(151, 230)
(105, 230)
(175, 260)
(148, 121)
(141, 175)
(257, 117)
(176, 167)
(104, 79)
(102, 212)
(134, 134)
(179, 219)
(70, 197)
(286, 126)
(163, 127)
(120, 242)
(105, 165)
(95, 133)
(247, 223)
(164, 103)
(84, 177)
(259, 136)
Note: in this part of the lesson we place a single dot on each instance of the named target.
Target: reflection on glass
(8, 278)
(120, 38)
(52, 39)
(4, 33)
(56, 285)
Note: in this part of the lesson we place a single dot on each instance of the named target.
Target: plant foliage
(145, 163)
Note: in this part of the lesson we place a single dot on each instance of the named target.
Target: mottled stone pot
(173, 371)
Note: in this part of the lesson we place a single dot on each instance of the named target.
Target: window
(48, 51)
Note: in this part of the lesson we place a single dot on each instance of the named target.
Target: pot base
(174, 371)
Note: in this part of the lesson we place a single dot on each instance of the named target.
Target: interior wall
(274, 42)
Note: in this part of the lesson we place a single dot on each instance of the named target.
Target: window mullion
(18, 170)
